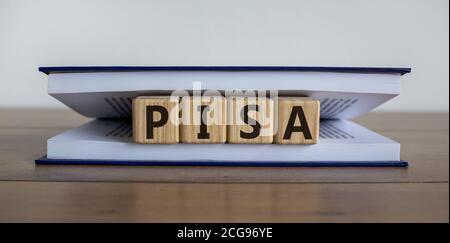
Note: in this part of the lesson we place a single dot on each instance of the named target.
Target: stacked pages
(106, 93)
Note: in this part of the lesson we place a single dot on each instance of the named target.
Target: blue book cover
(45, 161)
(93, 69)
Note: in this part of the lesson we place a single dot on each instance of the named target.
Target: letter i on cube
(203, 119)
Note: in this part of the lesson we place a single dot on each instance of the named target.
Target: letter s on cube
(250, 120)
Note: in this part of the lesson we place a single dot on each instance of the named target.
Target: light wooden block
(258, 127)
(298, 120)
(156, 119)
(203, 120)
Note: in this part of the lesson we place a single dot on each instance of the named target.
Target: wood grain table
(49, 193)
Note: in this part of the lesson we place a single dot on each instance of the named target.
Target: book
(107, 92)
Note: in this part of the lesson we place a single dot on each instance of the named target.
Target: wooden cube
(298, 120)
(203, 119)
(250, 120)
(156, 119)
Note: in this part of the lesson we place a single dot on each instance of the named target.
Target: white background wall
(405, 33)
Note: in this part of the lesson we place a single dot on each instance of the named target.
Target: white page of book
(112, 140)
(334, 105)
(109, 95)
(258, 80)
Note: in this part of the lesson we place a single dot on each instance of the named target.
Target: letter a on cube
(298, 120)
(156, 119)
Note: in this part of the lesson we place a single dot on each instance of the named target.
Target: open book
(107, 92)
